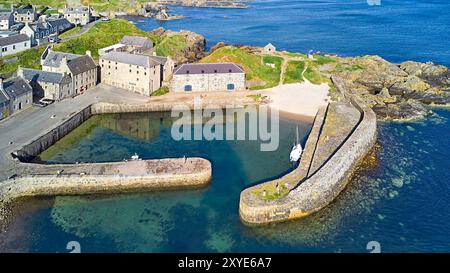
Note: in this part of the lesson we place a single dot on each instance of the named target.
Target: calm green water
(195, 220)
(402, 202)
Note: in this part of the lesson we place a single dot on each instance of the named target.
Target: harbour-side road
(25, 126)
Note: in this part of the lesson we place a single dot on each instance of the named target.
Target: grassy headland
(262, 71)
(101, 35)
(98, 5)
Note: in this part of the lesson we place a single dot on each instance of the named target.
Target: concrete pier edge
(319, 189)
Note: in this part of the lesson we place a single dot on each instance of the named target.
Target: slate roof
(81, 64)
(53, 58)
(159, 59)
(16, 87)
(61, 23)
(42, 76)
(208, 68)
(137, 41)
(25, 9)
(4, 41)
(5, 15)
(128, 58)
(3, 97)
(76, 10)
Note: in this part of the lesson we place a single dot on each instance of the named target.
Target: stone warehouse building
(208, 77)
(6, 20)
(134, 72)
(78, 16)
(49, 85)
(15, 95)
(14, 44)
(81, 68)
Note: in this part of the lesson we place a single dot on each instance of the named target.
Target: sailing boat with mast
(297, 150)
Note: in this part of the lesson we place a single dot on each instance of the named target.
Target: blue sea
(401, 202)
(397, 30)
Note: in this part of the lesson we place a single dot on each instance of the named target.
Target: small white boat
(296, 151)
(135, 157)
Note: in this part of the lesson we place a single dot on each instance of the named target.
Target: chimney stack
(1, 83)
(64, 61)
(88, 52)
(19, 71)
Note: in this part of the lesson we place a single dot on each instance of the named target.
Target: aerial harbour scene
(224, 126)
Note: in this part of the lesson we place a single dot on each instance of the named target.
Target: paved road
(83, 30)
(25, 126)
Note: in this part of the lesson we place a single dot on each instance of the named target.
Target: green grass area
(314, 76)
(321, 60)
(170, 45)
(271, 192)
(29, 58)
(348, 67)
(70, 32)
(296, 55)
(104, 34)
(161, 91)
(51, 11)
(259, 74)
(98, 5)
(294, 71)
(101, 35)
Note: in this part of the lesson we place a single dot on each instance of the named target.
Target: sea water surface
(397, 30)
(401, 202)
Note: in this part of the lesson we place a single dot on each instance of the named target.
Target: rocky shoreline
(399, 91)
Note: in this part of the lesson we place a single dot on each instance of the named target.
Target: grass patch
(296, 55)
(98, 5)
(51, 11)
(258, 74)
(29, 58)
(347, 67)
(70, 32)
(294, 71)
(101, 35)
(161, 91)
(321, 60)
(314, 76)
(271, 191)
(170, 45)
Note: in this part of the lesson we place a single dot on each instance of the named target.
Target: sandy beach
(298, 100)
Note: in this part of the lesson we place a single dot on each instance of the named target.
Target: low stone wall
(323, 186)
(37, 146)
(108, 178)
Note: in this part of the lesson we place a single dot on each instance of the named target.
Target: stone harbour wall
(160, 175)
(323, 186)
(37, 146)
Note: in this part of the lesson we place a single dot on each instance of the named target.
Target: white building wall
(14, 48)
(139, 79)
(208, 82)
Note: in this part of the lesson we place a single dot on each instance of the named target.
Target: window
(145, 73)
(130, 70)
(215, 70)
(25, 44)
(230, 86)
(14, 47)
(188, 88)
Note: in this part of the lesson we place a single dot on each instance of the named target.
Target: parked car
(54, 39)
(46, 102)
